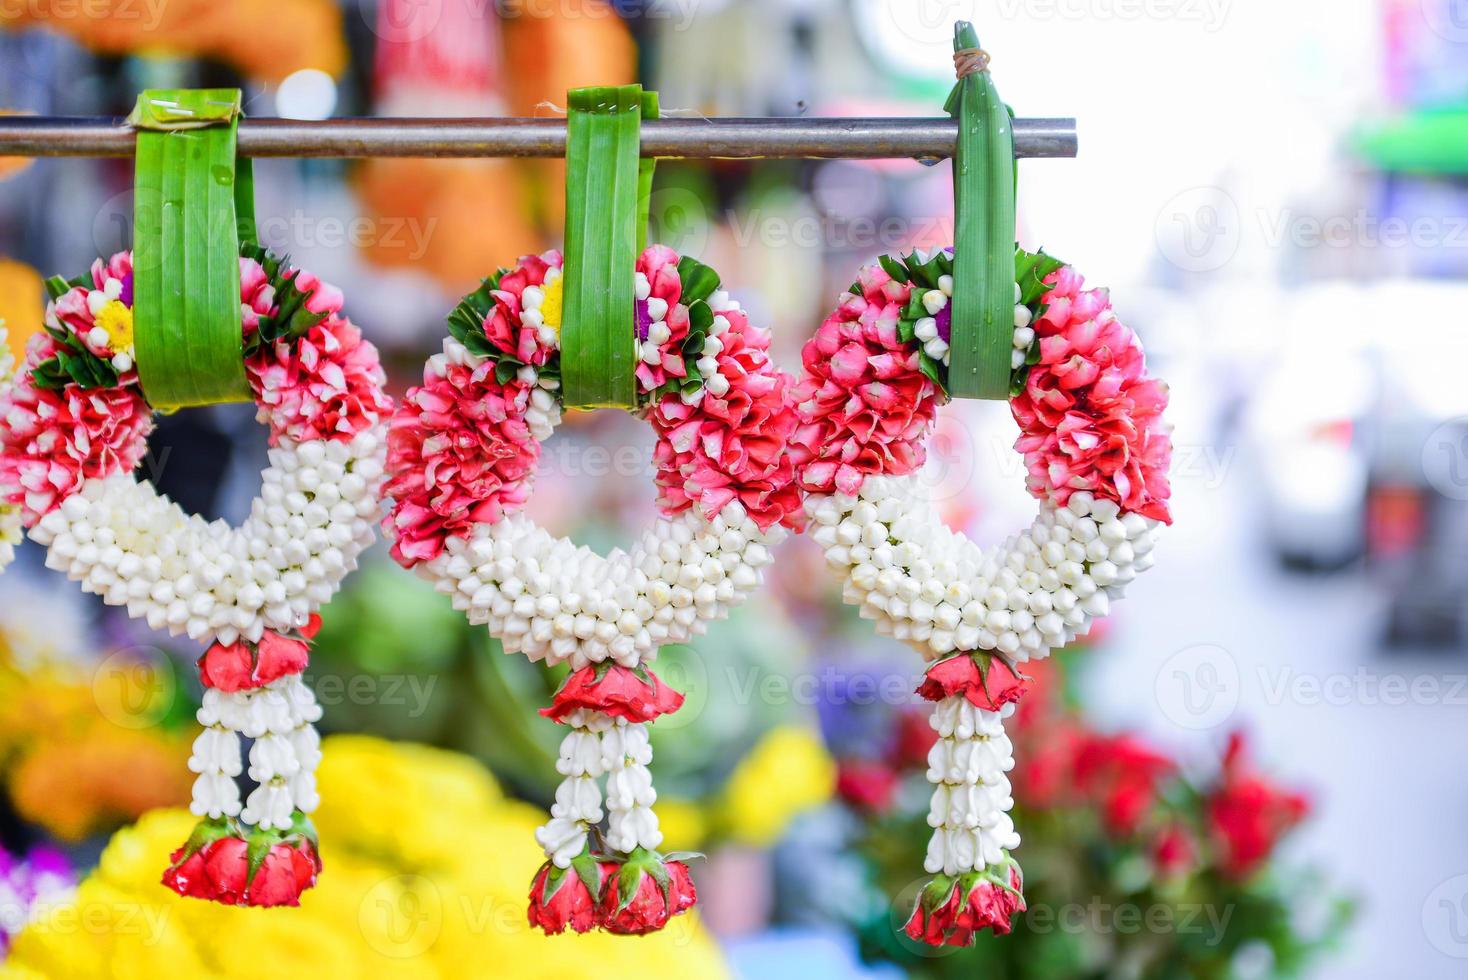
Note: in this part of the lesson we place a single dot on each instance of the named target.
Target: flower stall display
(427, 854)
(1138, 861)
(77, 422)
(463, 452)
(1096, 451)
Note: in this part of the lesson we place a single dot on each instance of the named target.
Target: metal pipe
(820, 138)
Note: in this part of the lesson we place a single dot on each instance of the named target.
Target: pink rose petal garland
(463, 450)
(75, 426)
(1096, 452)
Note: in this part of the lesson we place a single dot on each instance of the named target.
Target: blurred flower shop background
(1248, 771)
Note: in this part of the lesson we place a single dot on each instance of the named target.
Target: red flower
(864, 405)
(914, 740)
(1248, 814)
(460, 452)
(287, 871)
(1090, 416)
(215, 865)
(950, 911)
(975, 677)
(54, 441)
(186, 875)
(735, 445)
(1124, 773)
(636, 695)
(644, 893)
(235, 667)
(1175, 853)
(559, 897)
(866, 785)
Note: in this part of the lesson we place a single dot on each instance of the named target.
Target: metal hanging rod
(727, 138)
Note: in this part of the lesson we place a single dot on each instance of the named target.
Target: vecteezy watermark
(931, 21)
(1445, 459)
(297, 231)
(95, 918)
(1100, 917)
(145, 13)
(401, 917)
(1445, 917)
(678, 14)
(135, 687)
(1198, 686)
(1362, 686)
(1448, 19)
(1199, 229)
(410, 691)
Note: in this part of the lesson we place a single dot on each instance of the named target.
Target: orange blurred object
(265, 39)
(22, 303)
(468, 216)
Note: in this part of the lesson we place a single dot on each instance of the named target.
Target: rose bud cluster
(223, 862)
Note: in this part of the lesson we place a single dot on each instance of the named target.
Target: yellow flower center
(117, 319)
(550, 304)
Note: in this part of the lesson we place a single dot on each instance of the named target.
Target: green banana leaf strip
(984, 219)
(186, 284)
(598, 338)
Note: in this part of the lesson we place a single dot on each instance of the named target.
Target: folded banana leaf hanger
(980, 135)
(193, 204)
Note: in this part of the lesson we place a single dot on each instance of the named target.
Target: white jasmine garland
(971, 795)
(626, 754)
(280, 717)
(315, 514)
(553, 600)
(937, 591)
(578, 798)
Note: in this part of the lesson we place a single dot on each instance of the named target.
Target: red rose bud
(1124, 773)
(236, 667)
(866, 785)
(1248, 814)
(562, 897)
(950, 911)
(286, 871)
(1174, 854)
(312, 627)
(636, 695)
(643, 893)
(987, 681)
(263, 871)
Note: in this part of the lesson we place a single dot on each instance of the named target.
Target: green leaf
(186, 281)
(699, 281)
(598, 338)
(984, 218)
(1030, 271)
(645, 169)
(893, 267)
(932, 370)
(504, 371)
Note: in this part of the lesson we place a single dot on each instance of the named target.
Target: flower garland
(1096, 453)
(12, 531)
(463, 451)
(76, 426)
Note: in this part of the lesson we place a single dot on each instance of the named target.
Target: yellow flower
(787, 773)
(553, 295)
(682, 823)
(375, 911)
(116, 319)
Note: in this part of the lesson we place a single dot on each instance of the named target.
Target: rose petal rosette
(1096, 451)
(463, 451)
(75, 426)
